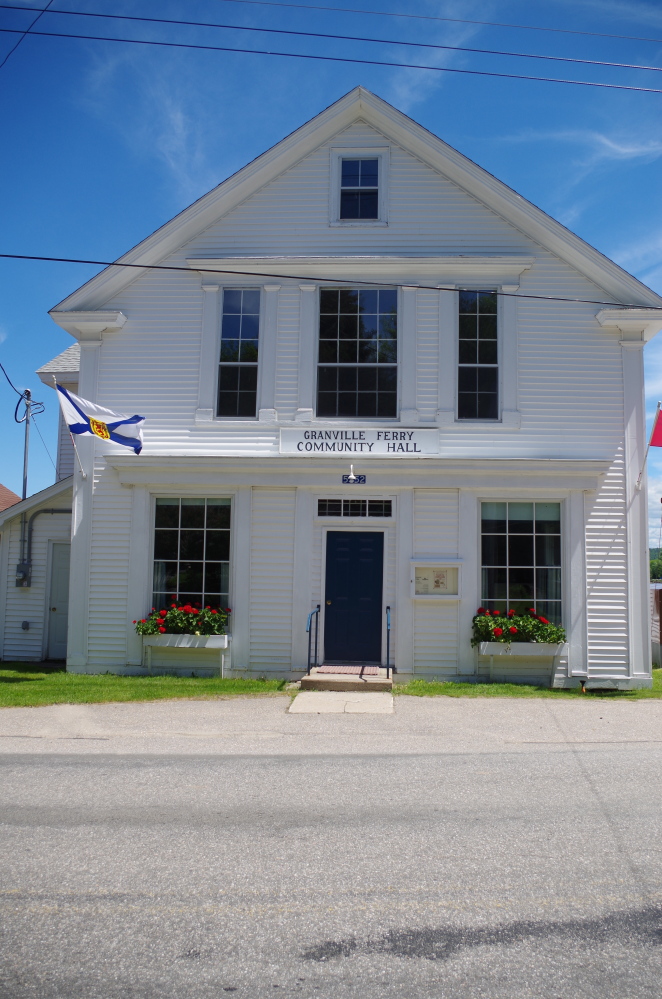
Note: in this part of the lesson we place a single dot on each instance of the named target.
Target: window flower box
(189, 642)
(527, 650)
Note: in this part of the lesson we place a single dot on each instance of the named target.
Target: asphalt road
(456, 849)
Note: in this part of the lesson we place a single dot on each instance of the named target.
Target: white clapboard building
(374, 377)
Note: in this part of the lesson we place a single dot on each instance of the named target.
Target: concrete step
(346, 681)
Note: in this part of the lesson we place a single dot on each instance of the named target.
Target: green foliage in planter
(507, 627)
(187, 619)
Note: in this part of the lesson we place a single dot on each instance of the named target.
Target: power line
(452, 20)
(36, 426)
(343, 59)
(27, 30)
(10, 381)
(346, 38)
(306, 277)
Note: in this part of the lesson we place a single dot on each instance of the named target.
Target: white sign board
(400, 443)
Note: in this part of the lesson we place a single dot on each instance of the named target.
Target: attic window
(359, 189)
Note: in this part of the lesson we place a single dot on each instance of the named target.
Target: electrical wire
(343, 59)
(452, 20)
(346, 38)
(27, 31)
(306, 277)
(10, 381)
(36, 426)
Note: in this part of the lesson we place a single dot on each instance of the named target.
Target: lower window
(521, 557)
(191, 552)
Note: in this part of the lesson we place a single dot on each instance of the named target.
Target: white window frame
(340, 153)
(507, 355)
(210, 351)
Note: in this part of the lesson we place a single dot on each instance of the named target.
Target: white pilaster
(302, 585)
(509, 354)
(636, 504)
(307, 336)
(576, 622)
(403, 612)
(209, 353)
(139, 589)
(407, 354)
(268, 354)
(448, 324)
(469, 552)
(81, 518)
(241, 578)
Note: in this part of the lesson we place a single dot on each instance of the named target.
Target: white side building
(364, 295)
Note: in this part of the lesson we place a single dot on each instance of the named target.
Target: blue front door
(353, 596)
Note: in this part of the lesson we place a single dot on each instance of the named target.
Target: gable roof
(7, 498)
(361, 104)
(65, 366)
(24, 506)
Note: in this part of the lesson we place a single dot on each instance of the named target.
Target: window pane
(548, 584)
(487, 302)
(230, 350)
(349, 204)
(494, 517)
(232, 301)
(495, 584)
(368, 301)
(388, 300)
(218, 546)
(165, 544)
(193, 513)
(192, 544)
(329, 300)
(551, 610)
(520, 549)
(231, 328)
(351, 173)
(190, 576)
(218, 512)
(468, 301)
(548, 549)
(520, 517)
(548, 518)
(368, 205)
(167, 512)
(165, 577)
(348, 301)
(520, 584)
(369, 173)
(251, 301)
(468, 351)
(495, 549)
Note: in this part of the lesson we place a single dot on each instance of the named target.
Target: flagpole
(641, 473)
(80, 464)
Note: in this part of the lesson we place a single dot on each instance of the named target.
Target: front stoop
(346, 681)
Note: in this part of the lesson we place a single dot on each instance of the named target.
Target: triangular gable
(361, 104)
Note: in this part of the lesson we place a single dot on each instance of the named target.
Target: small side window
(359, 189)
(237, 381)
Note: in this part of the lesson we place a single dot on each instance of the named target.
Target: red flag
(656, 433)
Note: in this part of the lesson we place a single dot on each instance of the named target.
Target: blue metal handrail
(316, 614)
(388, 643)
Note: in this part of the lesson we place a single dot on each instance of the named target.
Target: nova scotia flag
(83, 417)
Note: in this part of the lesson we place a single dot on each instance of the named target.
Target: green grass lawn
(27, 684)
(24, 684)
(425, 688)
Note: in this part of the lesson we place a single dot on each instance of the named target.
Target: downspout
(24, 569)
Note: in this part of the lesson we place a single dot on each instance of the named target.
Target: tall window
(191, 552)
(358, 353)
(359, 189)
(521, 557)
(478, 373)
(237, 381)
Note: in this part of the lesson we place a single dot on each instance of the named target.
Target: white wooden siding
(436, 518)
(109, 570)
(272, 568)
(66, 458)
(287, 354)
(427, 354)
(31, 604)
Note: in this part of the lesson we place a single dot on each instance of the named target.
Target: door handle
(328, 603)
(53, 608)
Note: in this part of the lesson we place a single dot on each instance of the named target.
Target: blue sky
(104, 142)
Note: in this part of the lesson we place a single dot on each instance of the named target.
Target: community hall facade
(376, 381)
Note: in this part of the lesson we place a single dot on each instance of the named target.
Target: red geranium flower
(135, 622)
(162, 630)
(228, 610)
(543, 620)
(162, 613)
(532, 610)
(511, 613)
(142, 620)
(498, 631)
(513, 631)
(214, 612)
(497, 613)
(481, 610)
